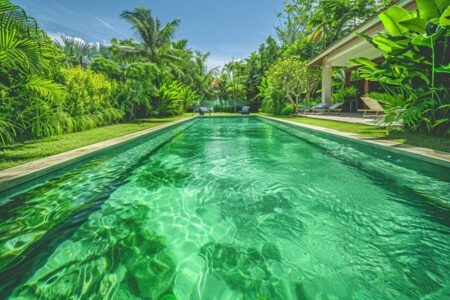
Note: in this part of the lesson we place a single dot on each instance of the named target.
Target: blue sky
(225, 28)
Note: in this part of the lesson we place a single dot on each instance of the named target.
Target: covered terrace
(350, 47)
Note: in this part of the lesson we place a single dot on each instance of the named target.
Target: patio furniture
(335, 108)
(375, 108)
(313, 109)
(202, 110)
(245, 110)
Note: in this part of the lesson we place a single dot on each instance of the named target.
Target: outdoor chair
(336, 108)
(245, 110)
(202, 110)
(375, 108)
(311, 109)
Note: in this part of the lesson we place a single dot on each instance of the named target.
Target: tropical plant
(26, 53)
(80, 53)
(273, 99)
(170, 100)
(155, 38)
(90, 100)
(345, 94)
(29, 60)
(416, 65)
(136, 98)
(309, 26)
(44, 92)
(108, 67)
(295, 79)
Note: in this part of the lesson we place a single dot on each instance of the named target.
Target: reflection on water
(230, 208)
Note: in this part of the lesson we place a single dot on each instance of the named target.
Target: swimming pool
(224, 208)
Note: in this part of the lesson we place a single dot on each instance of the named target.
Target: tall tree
(292, 76)
(155, 38)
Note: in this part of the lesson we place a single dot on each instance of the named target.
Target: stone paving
(350, 118)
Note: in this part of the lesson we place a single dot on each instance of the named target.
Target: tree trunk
(294, 103)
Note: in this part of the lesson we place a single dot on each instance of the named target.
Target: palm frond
(44, 87)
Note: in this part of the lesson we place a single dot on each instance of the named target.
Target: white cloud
(217, 61)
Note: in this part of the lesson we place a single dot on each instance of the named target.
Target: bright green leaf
(416, 25)
(442, 4)
(428, 9)
(444, 20)
(391, 18)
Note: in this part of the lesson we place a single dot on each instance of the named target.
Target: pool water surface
(230, 208)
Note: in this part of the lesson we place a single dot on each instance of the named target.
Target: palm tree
(26, 56)
(234, 80)
(22, 44)
(79, 52)
(25, 51)
(155, 38)
(75, 48)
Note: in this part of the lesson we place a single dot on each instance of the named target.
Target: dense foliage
(414, 72)
(275, 78)
(53, 87)
(416, 66)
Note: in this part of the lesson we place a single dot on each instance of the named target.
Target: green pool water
(230, 208)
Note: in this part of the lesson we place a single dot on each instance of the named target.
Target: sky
(227, 29)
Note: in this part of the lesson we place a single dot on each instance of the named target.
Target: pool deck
(20, 174)
(355, 118)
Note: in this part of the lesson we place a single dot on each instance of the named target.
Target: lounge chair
(336, 108)
(202, 110)
(375, 108)
(312, 109)
(245, 110)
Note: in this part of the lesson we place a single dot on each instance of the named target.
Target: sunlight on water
(231, 208)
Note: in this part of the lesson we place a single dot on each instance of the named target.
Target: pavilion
(349, 47)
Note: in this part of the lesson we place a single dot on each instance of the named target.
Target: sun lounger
(202, 110)
(333, 108)
(336, 108)
(312, 109)
(374, 106)
(245, 110)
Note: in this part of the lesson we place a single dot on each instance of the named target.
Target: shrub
(287, 110)
(107, 67)
(345, 94)
(91, 98)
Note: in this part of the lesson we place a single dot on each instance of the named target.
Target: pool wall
(15, 176)
(424, 154)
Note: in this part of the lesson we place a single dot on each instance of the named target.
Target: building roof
(352, 46)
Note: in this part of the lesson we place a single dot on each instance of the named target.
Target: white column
(326, 81)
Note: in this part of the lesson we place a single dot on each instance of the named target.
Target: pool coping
(425, 154)
(17, 175)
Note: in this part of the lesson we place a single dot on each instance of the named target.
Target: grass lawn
(395, 134)
(17, 154)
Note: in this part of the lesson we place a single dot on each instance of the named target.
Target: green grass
(17, 154)
(379, 132)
